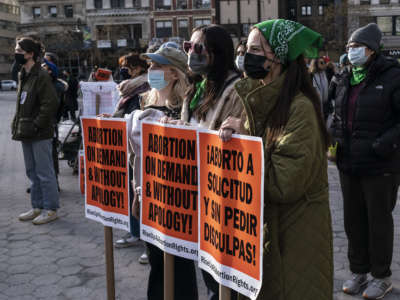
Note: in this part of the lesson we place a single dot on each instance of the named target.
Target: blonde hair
(177, 94)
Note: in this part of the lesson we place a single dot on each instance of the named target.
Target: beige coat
(229, 105)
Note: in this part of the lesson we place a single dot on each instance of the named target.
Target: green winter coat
(37, 105)
(298, 254)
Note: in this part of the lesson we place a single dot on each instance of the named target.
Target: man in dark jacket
(366, 127)
(33, 126)
(71, 96)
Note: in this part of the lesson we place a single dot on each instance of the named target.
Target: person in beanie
(282, 106)
(366, 130)
(33, 122)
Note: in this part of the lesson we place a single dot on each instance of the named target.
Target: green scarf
(289, 39)
(358, 75)
(200, 87)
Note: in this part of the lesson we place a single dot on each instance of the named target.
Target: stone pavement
(65, 259)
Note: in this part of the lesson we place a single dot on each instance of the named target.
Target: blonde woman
(168, 81)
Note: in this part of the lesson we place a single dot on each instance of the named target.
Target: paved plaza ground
(65, 259)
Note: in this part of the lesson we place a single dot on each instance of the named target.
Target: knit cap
(369, 35)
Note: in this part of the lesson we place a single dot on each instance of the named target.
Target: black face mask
(254, 66)
(124, 73)
(20, 59)
(198, 64)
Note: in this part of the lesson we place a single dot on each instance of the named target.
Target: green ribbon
(358, 75)
(200, 87)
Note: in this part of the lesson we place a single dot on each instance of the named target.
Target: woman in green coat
(283, 108)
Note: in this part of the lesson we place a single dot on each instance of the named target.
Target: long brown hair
(219, 45)
(296, 80)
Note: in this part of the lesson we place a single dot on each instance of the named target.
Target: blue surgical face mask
(357, 56)
(156, 79)
(239, 62)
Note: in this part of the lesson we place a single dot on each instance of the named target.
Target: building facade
(385, 13)
(58, 24)
(9, 21)
(237, 16)
(177, 18)
(328, 17)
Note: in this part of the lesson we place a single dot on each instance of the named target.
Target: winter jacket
(228, 105)
(372, 147)
(298, 254)
(36, 106)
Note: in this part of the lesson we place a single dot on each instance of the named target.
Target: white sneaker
(144, 259)
(45, 216)
(29, 215)
(127, 241)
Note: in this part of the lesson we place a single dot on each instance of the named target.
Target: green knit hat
(289, 39)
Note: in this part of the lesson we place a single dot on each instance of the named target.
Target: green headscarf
(358, 75)
(289, 39)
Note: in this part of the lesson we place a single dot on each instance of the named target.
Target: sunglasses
(195, 47)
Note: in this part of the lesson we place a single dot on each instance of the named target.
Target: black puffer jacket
(373, 145)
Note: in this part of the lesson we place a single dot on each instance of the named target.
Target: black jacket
(372, 147)
(36, 106)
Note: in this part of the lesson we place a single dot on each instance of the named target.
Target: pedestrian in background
(283, 108)
(134, 70)
(320, 80)
(366, 128)
(240, 51)
(33, 122)
(71, 96)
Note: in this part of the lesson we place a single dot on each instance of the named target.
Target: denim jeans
(40, 170)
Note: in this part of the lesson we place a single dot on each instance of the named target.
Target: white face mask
(357, 56)
(239, 62)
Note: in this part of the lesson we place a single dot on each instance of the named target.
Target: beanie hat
(369, 35)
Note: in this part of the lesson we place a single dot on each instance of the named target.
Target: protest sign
(231, 181)
(105, 143)
(169, 189)
(82, 171)
(98, 97)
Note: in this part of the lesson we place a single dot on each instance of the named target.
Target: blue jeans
(40, 170)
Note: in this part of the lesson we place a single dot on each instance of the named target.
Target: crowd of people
(307, 112)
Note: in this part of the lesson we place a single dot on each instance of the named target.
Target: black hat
(369, 35)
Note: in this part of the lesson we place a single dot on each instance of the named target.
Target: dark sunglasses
(195, 47)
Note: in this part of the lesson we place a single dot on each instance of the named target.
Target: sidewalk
(65, 259)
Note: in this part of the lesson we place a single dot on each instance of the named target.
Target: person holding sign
(282, 106)
(168, 81)
(213, 99)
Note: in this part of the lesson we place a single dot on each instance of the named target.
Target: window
(36, 12)
(365, 2)
(98, 4)
(117, 3)
(385, 24)
(163, 29)
(292, 13)
(137, 3)
(320, 10)
(68, 11)
(397, 27)
(163, 4)
(53, 11)
(384, 2)
(181, 4)
(199, 22)
(202, 3)
(306, 10)
(183, 31)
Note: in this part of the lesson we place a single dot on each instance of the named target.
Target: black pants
(213, 287)
(185, 277)
(368, 202)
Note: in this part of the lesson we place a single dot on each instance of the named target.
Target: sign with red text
(231, 197)
(105, 142)
(169, 212)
